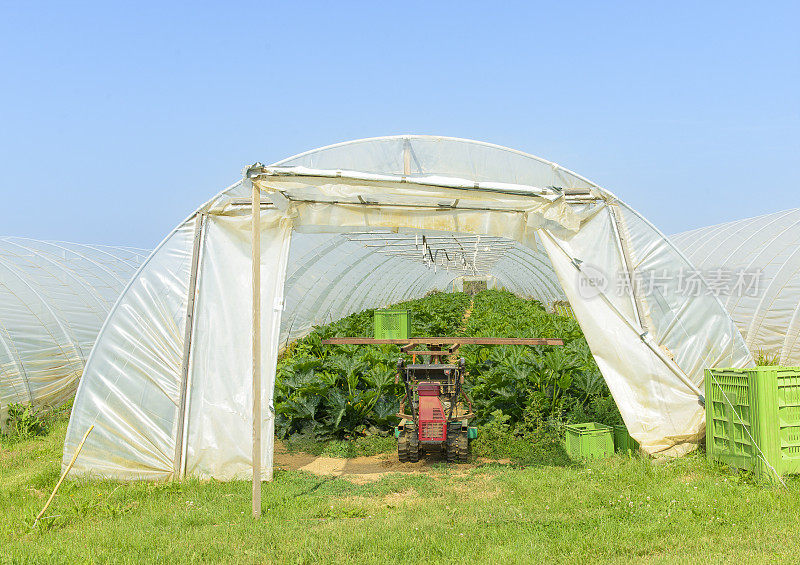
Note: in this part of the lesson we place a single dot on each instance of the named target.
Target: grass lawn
(618, 510)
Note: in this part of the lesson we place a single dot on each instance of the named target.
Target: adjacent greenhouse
(54, 297)
(365, 224)
(755, 265)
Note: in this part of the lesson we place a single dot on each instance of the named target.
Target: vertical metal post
(256, 264)
(178, 463)
(621, 231)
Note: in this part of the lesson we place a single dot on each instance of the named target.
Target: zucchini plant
(340, 391)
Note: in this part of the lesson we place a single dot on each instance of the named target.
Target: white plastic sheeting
(54, 297)
(766, 247)
(651, 341)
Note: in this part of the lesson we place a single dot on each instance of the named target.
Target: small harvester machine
(436, 410)
(438, 418)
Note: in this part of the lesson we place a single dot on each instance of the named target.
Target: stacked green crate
(392, 324)
(623, 442)
(753, 419)
(589, 441)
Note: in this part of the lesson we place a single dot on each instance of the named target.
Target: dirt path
(467, 314)
(360, 469)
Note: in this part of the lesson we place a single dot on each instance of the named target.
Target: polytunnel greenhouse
(169, 384)
(756, 265)
(54, 296)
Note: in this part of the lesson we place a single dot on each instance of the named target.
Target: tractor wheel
(453, 442)
(463, 446)
(402, 447)
(413, 445)
(408, 445)
(457, 444)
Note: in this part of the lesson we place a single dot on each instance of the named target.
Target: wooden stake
(63, 475)
(256, 263)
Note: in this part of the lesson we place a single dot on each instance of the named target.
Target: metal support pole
(179, 463)
(621, 231)
(256, 264)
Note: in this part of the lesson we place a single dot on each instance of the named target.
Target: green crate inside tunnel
(623, 442)
(589, 441)
(753, 419)
(392, 324)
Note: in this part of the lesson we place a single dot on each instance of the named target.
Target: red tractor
(438, 420)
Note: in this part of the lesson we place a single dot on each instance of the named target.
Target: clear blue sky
(116, 123)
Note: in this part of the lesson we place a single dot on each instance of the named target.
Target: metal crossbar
(443, 341)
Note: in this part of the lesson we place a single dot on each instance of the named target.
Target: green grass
(362, 446)
(618, 510)
(766, 358)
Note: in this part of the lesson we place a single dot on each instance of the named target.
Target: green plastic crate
(589, 441)
(392, 324)
(623, 442)
(753, 419)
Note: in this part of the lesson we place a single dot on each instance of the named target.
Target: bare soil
(467, 314)
(363, 469)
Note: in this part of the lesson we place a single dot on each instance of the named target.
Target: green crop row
(342, 391)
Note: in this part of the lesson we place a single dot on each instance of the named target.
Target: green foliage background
(328, 392)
